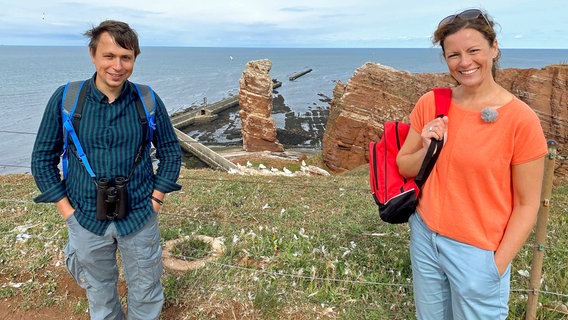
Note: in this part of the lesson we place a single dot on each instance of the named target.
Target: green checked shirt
(110, 134)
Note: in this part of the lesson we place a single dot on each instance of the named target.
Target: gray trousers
(92, 262)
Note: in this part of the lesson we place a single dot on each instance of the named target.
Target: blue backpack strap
(148, 100)
(73, 97)
(146, 107)
(71, 109)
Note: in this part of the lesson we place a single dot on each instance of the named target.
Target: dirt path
(13, 308)
(10, 310)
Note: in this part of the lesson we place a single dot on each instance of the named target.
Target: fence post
(540, 235)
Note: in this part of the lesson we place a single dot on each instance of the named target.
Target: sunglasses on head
(470, 14)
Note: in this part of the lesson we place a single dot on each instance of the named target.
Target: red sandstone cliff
(376, 94)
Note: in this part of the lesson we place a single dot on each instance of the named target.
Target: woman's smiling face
(469, 56)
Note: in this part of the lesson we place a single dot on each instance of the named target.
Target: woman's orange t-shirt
(469, 196)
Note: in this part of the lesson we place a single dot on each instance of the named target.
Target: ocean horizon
(188, 76)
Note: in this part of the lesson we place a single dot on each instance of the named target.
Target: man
(111, 136)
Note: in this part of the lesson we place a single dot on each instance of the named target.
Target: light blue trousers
(91, 260)
(454, 280)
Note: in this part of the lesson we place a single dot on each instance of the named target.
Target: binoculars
(112, 198)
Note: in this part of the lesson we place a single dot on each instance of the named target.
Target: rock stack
(255, 99)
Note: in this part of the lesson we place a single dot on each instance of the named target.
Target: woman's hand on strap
(413, 151)
(435, 129)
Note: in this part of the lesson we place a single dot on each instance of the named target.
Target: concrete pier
(299, 74)
(208, 112)
(210, 157)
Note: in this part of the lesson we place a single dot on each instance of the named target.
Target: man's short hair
(121, 32)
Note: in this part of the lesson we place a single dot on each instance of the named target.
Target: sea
(188, 77)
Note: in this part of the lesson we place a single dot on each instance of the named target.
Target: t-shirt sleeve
(530, 142)
(424, 109)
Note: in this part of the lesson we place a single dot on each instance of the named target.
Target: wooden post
(540, 235)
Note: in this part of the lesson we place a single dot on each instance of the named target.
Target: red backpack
(396, 195)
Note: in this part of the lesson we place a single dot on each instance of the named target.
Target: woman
(480, 202)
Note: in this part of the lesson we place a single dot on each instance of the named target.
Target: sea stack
(255, 99)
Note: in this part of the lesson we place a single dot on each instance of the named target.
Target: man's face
(113, 63)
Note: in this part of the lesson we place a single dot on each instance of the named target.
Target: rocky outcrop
(376, 94)
(546, 91)
(255, 99)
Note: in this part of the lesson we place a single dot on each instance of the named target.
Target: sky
(286, 23)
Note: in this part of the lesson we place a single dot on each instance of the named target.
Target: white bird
(286, 171)
(303, 163)
(249, 164)
(274, 169)
(261, 166)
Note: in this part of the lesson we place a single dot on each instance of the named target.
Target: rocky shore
(298, 130)
(301, 134)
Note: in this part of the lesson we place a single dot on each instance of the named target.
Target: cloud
(257, 23)
(296, 9)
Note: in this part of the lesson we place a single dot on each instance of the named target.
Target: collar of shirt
(127, 89)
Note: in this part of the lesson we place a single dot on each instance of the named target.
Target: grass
(296, 248)
(192, 249)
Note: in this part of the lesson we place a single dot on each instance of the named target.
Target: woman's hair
(121, 32)
(481, 22)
